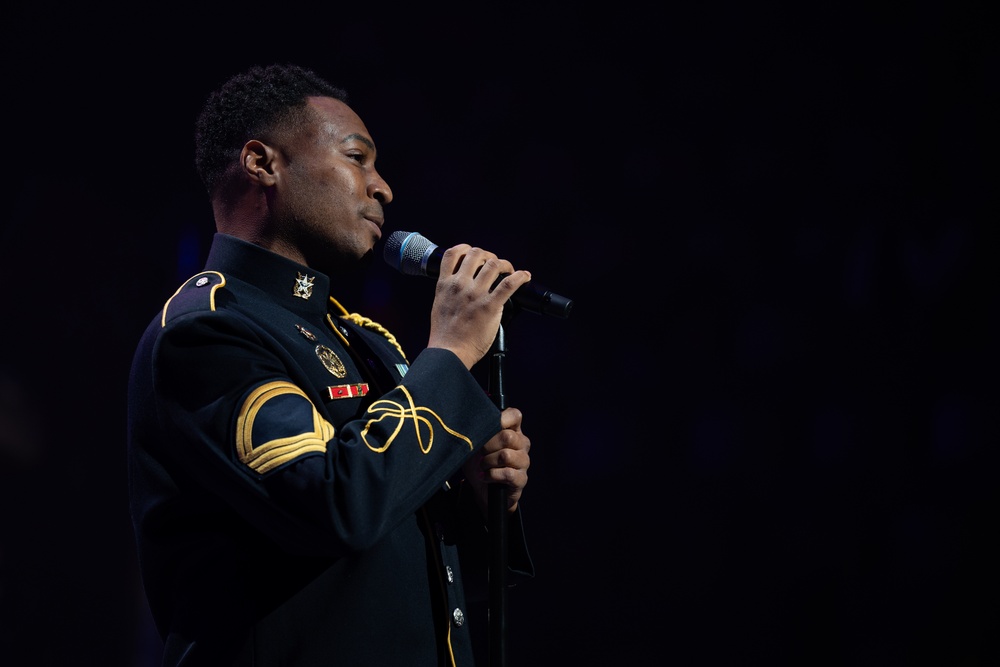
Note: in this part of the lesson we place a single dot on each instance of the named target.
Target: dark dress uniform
(289, 476)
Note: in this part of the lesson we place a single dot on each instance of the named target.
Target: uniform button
(451, 574)
(458, 616)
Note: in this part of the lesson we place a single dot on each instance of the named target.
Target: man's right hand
(466, 313)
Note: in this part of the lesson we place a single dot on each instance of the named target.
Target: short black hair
(249, 105)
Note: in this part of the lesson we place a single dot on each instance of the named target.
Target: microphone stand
(497, 523)
(556, 306)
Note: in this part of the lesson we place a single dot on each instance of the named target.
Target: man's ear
(257, 162)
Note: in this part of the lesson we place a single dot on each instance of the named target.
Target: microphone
(412, 254)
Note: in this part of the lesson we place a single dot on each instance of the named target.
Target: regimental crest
(331, 361)
(303, 286)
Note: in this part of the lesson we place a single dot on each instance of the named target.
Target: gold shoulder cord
(363, 321)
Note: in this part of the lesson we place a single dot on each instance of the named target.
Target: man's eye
(360, 157)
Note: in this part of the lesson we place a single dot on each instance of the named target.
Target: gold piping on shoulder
(202, 281)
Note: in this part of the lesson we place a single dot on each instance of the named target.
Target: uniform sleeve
(243, 419)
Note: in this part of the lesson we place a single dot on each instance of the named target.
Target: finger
(451, 259)
(508, 439)
(514, 480)
(487, 268)
(514, 459)
(472, 262)
(511, 418)
(510, 283)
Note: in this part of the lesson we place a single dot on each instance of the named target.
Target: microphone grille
(405, 251)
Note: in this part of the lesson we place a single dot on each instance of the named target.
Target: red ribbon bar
(347, 390)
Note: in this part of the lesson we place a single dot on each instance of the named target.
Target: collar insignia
(303, 286)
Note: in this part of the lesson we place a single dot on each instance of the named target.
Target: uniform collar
(293, 285)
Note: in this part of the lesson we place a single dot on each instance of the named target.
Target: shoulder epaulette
(197, 293)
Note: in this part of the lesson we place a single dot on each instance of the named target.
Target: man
(301, 492)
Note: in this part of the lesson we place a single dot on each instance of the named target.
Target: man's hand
(503, 459)
(467, 309)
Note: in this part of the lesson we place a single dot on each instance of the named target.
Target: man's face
(329, 197)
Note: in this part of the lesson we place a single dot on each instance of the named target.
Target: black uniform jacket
(289, 477)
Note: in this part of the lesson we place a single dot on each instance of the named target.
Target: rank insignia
(303, 286)
(331, 361)
(305, 332)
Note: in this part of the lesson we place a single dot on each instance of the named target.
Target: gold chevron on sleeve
(268, 455)
(413, 414)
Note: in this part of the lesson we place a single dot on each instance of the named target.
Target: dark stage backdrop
(766, 434)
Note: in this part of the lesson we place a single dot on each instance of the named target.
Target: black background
(764, 436)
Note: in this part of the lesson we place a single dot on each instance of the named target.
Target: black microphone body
(414, 255)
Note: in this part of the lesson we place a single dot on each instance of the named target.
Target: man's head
(289, 165)
(251, 105)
